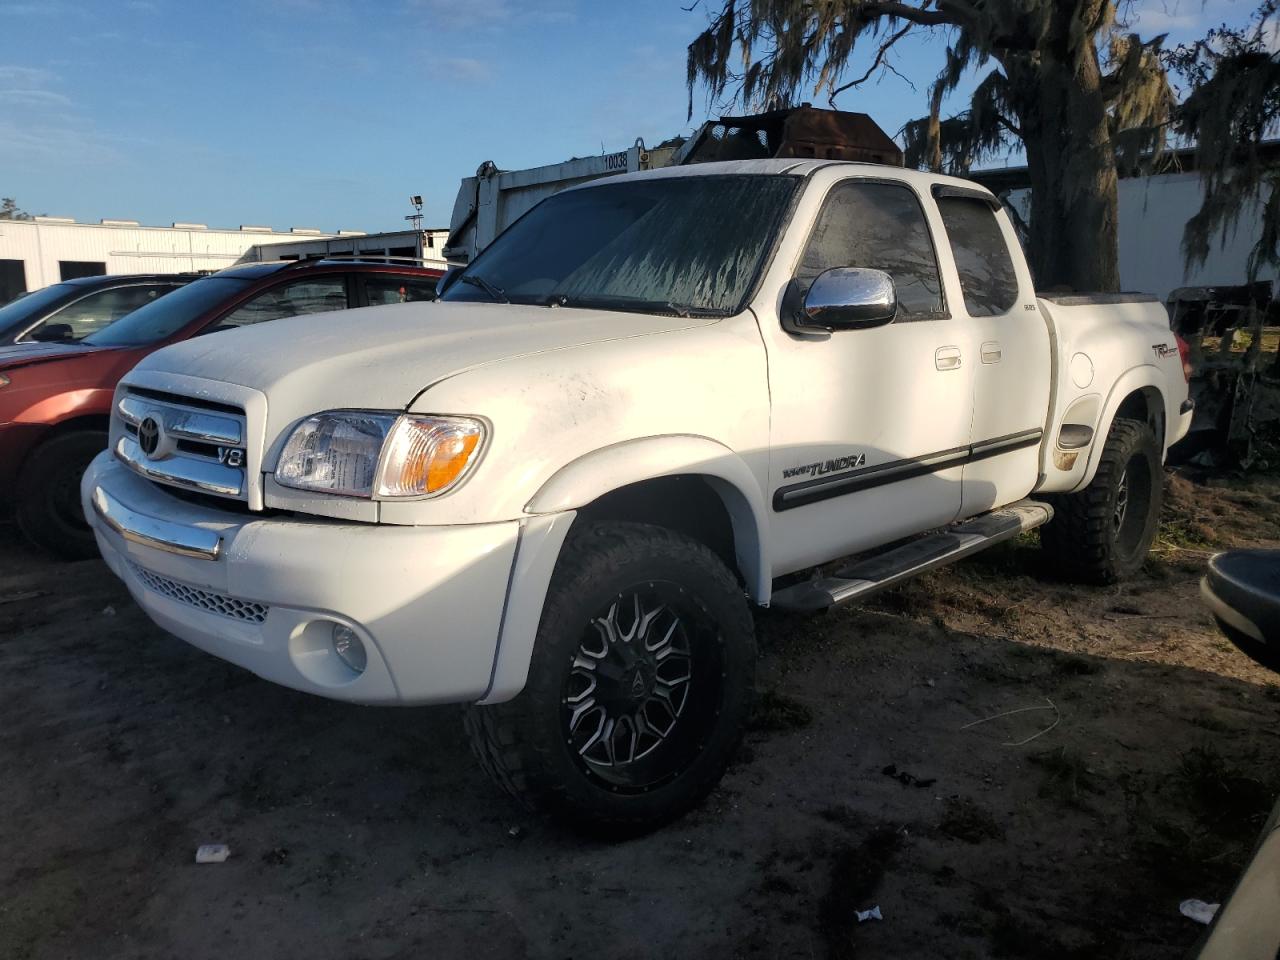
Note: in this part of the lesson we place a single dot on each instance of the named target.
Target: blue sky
(329, 113)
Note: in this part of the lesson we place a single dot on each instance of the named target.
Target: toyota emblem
(149, 436)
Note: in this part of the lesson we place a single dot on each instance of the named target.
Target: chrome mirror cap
(849, 298)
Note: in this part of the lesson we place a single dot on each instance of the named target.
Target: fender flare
(1133, 379)
(632, 461)
(68, 405)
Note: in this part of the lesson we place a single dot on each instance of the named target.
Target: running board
(868, 577)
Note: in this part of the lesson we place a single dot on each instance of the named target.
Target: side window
(987, 277)
(101, 309)
(880, 226)
(384, 289)
(312, 295)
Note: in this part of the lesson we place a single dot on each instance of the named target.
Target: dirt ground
(1136, 775)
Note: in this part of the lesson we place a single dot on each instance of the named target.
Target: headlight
(361, 453)
(4, 381)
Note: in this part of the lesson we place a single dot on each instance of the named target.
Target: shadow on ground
(369, 833)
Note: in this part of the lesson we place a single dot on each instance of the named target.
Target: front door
(869, 427)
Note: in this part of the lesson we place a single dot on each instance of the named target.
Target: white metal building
(35, 253)
(425, 245)
(1153, 210)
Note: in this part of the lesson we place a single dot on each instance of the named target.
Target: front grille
(187, 443)
(246, 610)
(198, 402)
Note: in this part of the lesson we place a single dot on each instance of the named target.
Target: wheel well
(686, 504)
(96, 421)
(100, 422)
(1146, 406)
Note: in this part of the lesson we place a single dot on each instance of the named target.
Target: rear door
(1012, 357)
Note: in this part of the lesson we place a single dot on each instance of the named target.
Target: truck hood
(383, 357)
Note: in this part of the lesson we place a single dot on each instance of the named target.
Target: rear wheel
(48, 493)
(639, 686)
(1103, 533)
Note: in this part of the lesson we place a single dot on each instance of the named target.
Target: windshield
(33, 304)
(665, 245)
(166, 316)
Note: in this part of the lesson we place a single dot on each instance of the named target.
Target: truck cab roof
(791, 166)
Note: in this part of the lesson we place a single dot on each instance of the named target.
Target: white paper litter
(212, 853)
(1198, 910)
(872, 914)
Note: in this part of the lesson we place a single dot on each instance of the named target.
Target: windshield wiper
(493, 290)
(633, 305)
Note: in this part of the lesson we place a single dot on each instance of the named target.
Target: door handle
(947, 358)
(991, 352)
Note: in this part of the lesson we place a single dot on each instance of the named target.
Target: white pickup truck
(652, 402)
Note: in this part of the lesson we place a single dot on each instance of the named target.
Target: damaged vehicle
(652, 403)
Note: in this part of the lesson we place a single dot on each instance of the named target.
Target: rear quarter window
(381, 290)
(987, 276)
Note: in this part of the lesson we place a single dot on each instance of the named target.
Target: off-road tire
(1083, 541)
(48, 494)
(525, 744)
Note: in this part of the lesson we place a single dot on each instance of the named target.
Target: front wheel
(48, 510)
(1102, 534)
(641, 679)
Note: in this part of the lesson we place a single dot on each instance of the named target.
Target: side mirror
(52, 333)
(849, 298)
(450, 275)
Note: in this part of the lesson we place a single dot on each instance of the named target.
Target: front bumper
(265, 593)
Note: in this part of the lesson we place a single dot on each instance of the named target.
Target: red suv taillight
(1184, 351)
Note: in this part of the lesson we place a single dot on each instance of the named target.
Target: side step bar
(868, 577)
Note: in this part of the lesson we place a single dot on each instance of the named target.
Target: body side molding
(864, 478)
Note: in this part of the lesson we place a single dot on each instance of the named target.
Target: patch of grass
(1185, 533)
(1066, 778)
(965, 820)
(1072, 666)
(778, 713)
(1223, 795)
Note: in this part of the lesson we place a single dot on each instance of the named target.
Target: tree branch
(1009, 125)
(1116, 83)
(879, 59)
(917, 15)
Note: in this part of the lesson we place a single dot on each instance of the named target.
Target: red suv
(55, 398)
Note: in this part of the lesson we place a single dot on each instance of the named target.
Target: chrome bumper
(427, 602)
(154, 532)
